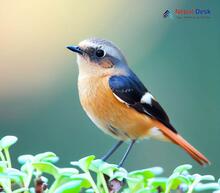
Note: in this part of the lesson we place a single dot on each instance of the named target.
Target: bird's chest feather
(101, 106)
(96, 98)
(108, 113)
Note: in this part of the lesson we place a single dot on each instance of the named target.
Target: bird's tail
(177, 139)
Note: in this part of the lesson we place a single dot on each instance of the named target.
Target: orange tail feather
(177, 139)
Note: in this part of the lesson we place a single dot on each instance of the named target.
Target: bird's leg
(126, 153)
(111, 151)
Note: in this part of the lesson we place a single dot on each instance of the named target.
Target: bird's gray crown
(112, 51)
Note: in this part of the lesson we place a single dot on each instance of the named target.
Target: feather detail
(130, 90)
(179, 140)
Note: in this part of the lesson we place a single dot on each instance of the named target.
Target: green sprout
(92, 175)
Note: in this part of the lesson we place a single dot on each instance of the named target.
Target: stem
(6, 188)
(2, 156)
(54, 186)
(95, 188)
(8, 158)
(196, 181)
(169, 187)
(103, 181)
(29, 177)
(98, 181)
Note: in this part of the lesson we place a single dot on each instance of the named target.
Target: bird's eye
(100, 53)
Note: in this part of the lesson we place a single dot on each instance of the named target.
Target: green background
(177, 60)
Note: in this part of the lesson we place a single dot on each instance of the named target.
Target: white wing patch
(147, 98)
(119, 99)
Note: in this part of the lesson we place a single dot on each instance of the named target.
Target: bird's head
(99, 57)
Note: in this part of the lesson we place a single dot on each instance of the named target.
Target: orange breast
(112, 116)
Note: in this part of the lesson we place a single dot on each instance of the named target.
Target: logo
(166, 14)
(188, 13)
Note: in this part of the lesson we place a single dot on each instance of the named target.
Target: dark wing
(131, 91)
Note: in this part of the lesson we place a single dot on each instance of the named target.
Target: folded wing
(130, 90)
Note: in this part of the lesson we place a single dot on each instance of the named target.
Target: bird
(118, 103)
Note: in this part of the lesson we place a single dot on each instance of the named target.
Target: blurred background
(177, 59)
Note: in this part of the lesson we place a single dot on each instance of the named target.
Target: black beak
(76, 49)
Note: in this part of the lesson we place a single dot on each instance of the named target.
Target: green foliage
(92, 175)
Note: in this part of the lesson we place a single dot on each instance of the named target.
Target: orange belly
(108, 113)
